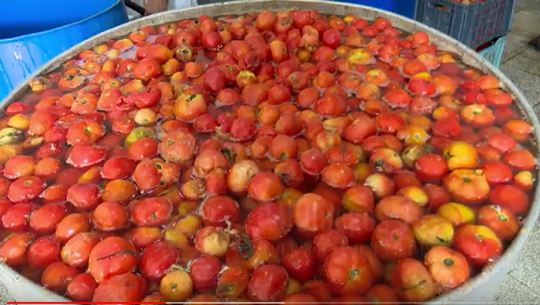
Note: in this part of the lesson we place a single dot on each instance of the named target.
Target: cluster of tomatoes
(269, 157)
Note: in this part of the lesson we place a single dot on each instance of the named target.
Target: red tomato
(313, 214)
(299, 263)
(111, 257)
(270, 221)
(126, 287)
(268, 283)
(347, 271)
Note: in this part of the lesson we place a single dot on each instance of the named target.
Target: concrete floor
(521, 63)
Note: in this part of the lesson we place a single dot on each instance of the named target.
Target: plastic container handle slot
(440, 6)
(134, 6)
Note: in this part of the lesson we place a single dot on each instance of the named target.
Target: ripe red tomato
(299, 263)
(268, 283)
(393, 240)
(325, 242)
(126, 287)
(111, 257)
(270, 221)
(157, 259)
(347, 271)
(313, 214)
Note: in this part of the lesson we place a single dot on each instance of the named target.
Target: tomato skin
(204, 272)
(520, 159)
(265, 186)
(447, 267)
(511, 198)
(110, 216)
(143, 148)
(501, 142)
(270, 221)
(76, 251)
(19, 166)
(232, 282)
(5, 205)
(84, 196)
(25, 189)
(358, 198)
(412, 273)
(478, 243)
(502, 221)
(393, 240)
(398, 207)
(332, 38)
(497, 172)
(437, 195)
(319, 289)
(71, 225)
(467, 186)
(57, 275)
(523, 179)
(176, 285)
(144, 99)
(299, 263)
(313, 214)
(300, 298)
(16, 217)
(326, 241)
(112, 256)
(460, 155)
(83, 156)
(151, 211)
(268, 283)
(117, 168)
(382, 294)
(518, 129)
(347, 271)
(126, 287)
(357, 227)
(430, 168)
(82, 288)
(43, 251)
(13, 251)
(217, 209)
(156, 259)
(264, 252)
(45, 219)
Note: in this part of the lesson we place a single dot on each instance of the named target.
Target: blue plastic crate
(494, 52)
(401, 7)
(473, 24)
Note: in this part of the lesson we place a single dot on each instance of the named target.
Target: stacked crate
(479, 24)
(493, 50)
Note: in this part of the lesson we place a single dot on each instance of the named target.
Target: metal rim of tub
(17, 38)
(326, 7)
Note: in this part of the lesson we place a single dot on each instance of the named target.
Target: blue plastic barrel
(34, 31)
(404, 8)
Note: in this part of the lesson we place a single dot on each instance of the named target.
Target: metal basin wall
(46, 29)
(479, 289)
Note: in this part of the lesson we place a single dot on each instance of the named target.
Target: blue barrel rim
(16, 38)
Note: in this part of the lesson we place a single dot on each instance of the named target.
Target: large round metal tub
(32, 32)
(480, 289)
